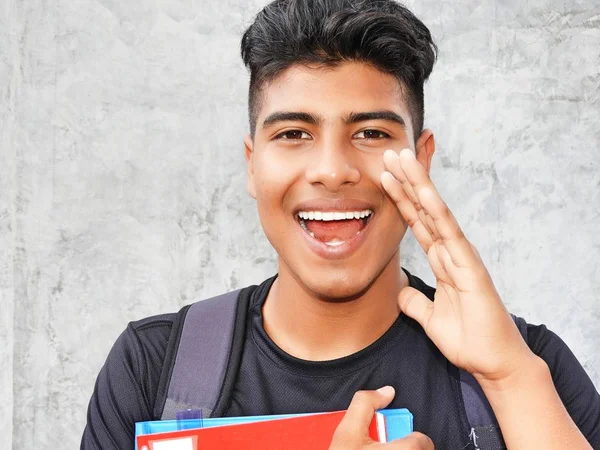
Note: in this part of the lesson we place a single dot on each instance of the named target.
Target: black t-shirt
(271, 381)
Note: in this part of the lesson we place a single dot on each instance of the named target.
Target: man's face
(316, 156)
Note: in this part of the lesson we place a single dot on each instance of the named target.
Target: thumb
(354, 426)
(416, 305)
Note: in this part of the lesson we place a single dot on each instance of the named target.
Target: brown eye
(292, 135)
(371, 134)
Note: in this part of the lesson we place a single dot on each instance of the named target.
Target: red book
(306, 432)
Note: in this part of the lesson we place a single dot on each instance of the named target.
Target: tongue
(341, 230)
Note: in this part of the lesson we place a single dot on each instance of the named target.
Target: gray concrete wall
(122, 176)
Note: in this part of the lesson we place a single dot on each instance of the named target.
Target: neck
(313, 328)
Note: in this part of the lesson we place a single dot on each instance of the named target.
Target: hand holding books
(353, 431)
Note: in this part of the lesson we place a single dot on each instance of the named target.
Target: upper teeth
(337, 215)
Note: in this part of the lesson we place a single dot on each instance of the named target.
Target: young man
(338, 162)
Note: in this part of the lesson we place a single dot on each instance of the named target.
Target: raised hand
(353, 431)
(467, 321)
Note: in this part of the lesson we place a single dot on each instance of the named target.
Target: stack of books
(295, 431)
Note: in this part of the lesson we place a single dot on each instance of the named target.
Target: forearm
(530, 412)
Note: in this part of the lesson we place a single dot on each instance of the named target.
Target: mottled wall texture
(122, 188)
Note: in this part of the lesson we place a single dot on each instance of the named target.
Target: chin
(339, 285)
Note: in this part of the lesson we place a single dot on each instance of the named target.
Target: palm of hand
(467, 321)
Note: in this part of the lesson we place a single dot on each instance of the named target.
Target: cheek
(274, 175)
(372, 167)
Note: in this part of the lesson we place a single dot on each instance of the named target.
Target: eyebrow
(291, 116)
(389, 116)
(314, 119)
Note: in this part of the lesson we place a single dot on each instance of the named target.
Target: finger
(451, 234)
(406, 208)
(422, 234)
(357, 419)
(421, 183)
(415, 175)
(418, 206)
(464, 280)
(436, 263)
(416, 305)
(417, 441)
(414, 441)
(444, 223)
(392, 163)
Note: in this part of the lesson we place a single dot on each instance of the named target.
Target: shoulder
(556, 353)
(154, 330)
(127, 384)
(138, 355)
(573, 384)
(550, 347)
(158, 321)
(142, 341)
(146, 341)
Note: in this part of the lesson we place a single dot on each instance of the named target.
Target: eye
(293, 135)
(371, 134)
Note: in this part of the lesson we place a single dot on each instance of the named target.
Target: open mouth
(334, 228)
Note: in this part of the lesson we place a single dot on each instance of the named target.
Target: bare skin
(325, 307)
(468, 321)
(308, 312)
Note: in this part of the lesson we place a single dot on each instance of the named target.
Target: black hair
(381, 33)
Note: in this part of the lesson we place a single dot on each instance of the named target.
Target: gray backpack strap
(202, 356)
(485, 432)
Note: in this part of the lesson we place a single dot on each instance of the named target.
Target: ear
(249, 153)
(426, 148)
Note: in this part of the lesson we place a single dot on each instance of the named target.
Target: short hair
(382, 33)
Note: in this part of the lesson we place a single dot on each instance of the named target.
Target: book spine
(381, 427)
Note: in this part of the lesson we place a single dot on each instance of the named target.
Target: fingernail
(388, 391)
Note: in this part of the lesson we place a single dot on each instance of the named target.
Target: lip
(339, 251)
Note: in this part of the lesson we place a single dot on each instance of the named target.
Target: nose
(333, 167)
